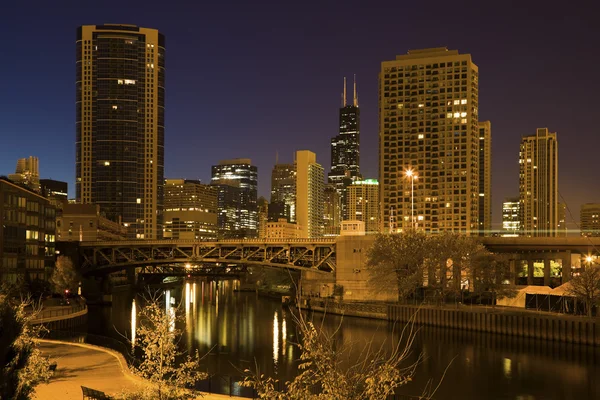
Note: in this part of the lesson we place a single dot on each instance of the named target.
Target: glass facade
(237, 182)
(120, 124)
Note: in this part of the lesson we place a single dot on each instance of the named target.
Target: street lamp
(410, 173)
(589, 259)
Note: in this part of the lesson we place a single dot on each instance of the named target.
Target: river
(241, 330)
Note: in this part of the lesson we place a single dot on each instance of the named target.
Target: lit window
(463, 101)
(400, 106)
(463, 114)
(129, 81)
(463, 121)
(114, 107)
(449, 115)
(106, 163)
(421, 105)
(421, 136)
(456, 102)
(456, 115)
(139, 201)
(120, 81)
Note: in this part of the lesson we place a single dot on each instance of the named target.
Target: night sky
(249, 79)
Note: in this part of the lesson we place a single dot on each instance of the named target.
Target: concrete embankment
(499, 320)
(62, 317)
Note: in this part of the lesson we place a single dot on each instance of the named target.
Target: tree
(401, 256)
(23, 366)
(489, 272)
(64, 277)
(586, 288)
(375, 375)
(170, 372)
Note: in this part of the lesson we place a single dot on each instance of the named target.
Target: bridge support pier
(566, 266)
(530, 269)
(546, 271)
(131, 276)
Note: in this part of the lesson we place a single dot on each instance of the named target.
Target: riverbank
(95, 367)
(500, 320)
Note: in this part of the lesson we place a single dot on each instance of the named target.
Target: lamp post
(410, 173)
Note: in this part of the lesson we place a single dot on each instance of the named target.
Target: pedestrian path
(91, 366)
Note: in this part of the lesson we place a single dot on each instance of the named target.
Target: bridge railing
(207, 242)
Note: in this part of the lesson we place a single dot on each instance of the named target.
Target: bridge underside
(103, 258)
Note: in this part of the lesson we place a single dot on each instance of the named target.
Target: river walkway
(91, 366)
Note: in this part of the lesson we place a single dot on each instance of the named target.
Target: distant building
(237, 216)
(345, 149)
(309, 195)
(511, 217)
(485, 178)
(190, 210)
(120, 124)
(27, 238)
(278, 210)
(263, 217)
(428, 123)
(56, 191)
(281, 229)
(590, 219)
(27, 173)
(562, 220)
(538, 184)
(84, 222)
(332, 211)
(363, 204)
(353, 228)
(283, 191)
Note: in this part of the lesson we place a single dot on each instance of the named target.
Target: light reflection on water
(247, 331)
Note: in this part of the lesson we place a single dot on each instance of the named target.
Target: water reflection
(248, 331)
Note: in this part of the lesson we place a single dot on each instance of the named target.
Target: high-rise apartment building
(310, 179)
(538, 184)
(190, 210)
(332, 211)
(590, 219)
(362, 200)
(27, 238)
(511, 217)
(485, 178)
(27, 173)
(428, 114)
(345, 148)
(283, 191)
(120, 98)
(237, 181)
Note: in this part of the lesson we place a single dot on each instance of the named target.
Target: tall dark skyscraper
(237, 208)
(345, 149)
(120, 97)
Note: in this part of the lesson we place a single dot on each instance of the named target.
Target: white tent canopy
(522, 292)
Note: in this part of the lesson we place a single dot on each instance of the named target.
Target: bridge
(100, 258)
(336, 257)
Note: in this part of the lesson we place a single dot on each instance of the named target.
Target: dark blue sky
(247, 79)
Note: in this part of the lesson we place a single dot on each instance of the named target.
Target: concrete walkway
(91, 366)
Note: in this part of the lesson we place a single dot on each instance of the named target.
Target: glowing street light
(589, 259)
(410, 173)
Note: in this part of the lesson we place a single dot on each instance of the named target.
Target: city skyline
(517, 97)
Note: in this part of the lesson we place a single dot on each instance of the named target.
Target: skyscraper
(428, 121)
(363, 203)
(332, 212)
(190, 210)
(120, 95)
(590, 219)
(485, 178)
(511, 217)
(309, 194)
(27, 173)
(237, 198)
(283, 191)
(345, 148)
(263, 217)
(538, 184)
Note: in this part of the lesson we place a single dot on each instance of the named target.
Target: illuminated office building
(538, 184)
(345, 148)
(590, 219)
(362, 199)
(190, 210)
(120, 98)
(511, 217)
(283, 192)
(428, 119)
(237, 216)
